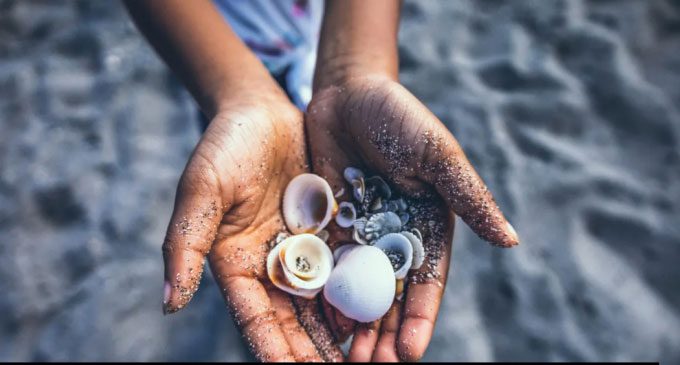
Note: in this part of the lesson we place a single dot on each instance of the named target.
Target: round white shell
(418, 249)
(397, 242)
(308, 204)
(284, 272)
(362, 285)
(347, 214)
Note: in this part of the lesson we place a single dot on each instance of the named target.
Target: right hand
(228, 208)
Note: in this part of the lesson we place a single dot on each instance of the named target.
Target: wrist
(244, 90)
(357, 38)
(341, 69)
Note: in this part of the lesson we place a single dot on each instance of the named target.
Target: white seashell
(300, 265)
(359, 230)
(418, 249)
(340, 251)
(399, 250)
(347, 214)
(352, 173)
(308, 204)
(362, 286)
(339, 193)
(416, 231)
(380, 224)
(358, 189)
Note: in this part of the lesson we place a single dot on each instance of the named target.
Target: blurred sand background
(568, 109)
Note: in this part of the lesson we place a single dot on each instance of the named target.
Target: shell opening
(308, 204)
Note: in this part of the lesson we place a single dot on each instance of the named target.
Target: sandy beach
(569, 110)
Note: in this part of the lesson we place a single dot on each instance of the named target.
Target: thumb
(191, 232)
(446, 167)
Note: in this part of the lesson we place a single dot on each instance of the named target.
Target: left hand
(373, 123)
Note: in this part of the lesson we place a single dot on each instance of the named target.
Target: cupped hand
(227, 208)
(375, 124)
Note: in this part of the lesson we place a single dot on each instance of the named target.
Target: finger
(299, 341)
(425, 290)
(254, 313)
(308, 312)
(386, 348)
(413, 145)
(446, 167)
(191, 232)
(364, 341)
(340, 325)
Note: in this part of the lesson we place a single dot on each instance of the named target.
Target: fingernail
(512, 232)
(166, 295)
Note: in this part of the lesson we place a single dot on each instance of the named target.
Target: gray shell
(380, 224)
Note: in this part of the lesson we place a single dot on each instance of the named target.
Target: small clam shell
(352, 173)
(416, 231)
(308, 204)
(382, 189)
(401, 204)
(418, 249)
(359, 230)
(362, 285)
(356, 236)
(359, 189)
(300, 265)
(380, 224)
(404, 217)
(347, 214)
(400, 252)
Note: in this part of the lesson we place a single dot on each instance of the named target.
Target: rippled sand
(569, 111)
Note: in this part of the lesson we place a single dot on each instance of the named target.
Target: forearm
(196, 42)
(358, 37)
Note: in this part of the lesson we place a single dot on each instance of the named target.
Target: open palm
(228, 209)
(375, 124)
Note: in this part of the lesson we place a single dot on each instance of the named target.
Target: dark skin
(228, 202)
(361, 116)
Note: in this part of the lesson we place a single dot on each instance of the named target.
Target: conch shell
(362, 285)
(308, 204)
(300, 265)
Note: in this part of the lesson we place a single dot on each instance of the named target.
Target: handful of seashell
(362, 278)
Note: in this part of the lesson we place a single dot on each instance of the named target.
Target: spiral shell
(300, 265)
